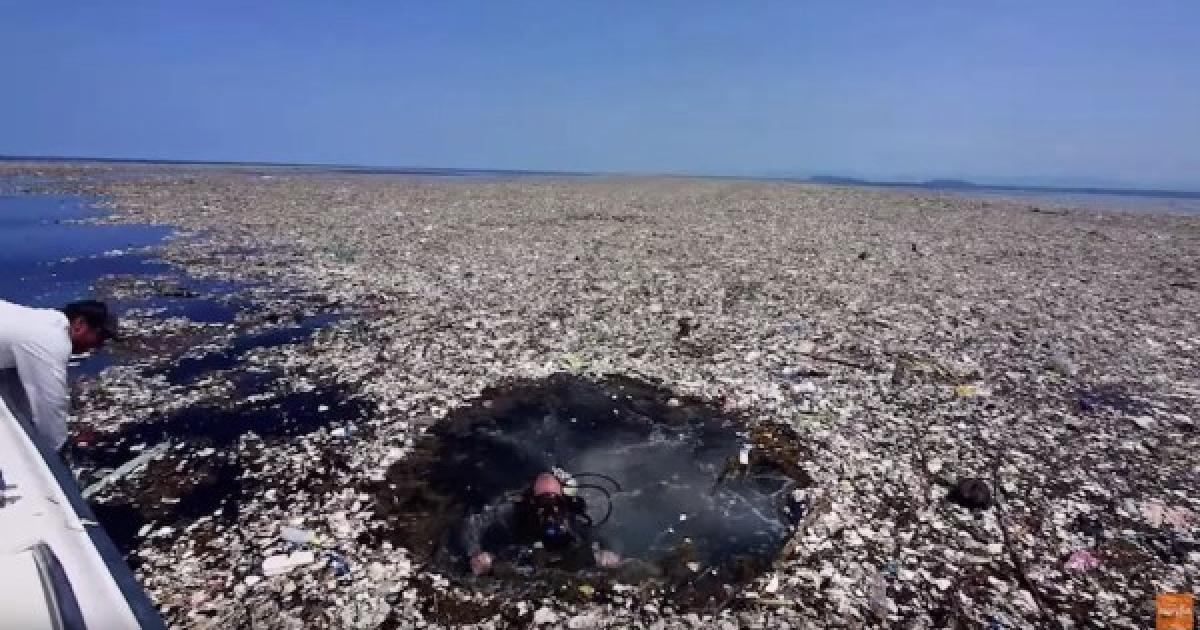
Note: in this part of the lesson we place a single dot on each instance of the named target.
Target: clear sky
(1062, 91)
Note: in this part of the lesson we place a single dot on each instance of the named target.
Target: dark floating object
(971, 493)
(692, 498)
(287, 415)
(1114, 397)
(1089, 526)
(686, 326)
(863, 255)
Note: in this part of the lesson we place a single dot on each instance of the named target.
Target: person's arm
(43, 373)
(601, 553)
(480, 524)
(606, 559)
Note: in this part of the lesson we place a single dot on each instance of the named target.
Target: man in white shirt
(35, 345)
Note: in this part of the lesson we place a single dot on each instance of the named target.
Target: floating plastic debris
(1082, 560)
(276, 565)
(296, 535)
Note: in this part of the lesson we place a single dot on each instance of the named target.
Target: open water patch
(171, 492)
(173, 294)
(216, 425)
(700, 502)
(201, 473)
(51, 255)
(54, 251)
(188, 369)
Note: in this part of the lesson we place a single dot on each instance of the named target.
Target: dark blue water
(222, 423)
(663, 481)
(52, 253)
(49, 258)
(188, 369)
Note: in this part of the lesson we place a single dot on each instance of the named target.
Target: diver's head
(552, 517)
(547, 484)
(551, 510)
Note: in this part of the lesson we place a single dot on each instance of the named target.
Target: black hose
(614, 482)
(608, 500)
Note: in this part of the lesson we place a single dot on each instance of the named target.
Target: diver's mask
(555, 514)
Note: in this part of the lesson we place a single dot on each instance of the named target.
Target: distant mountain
(840, 181)
(961, 184)
(948, 183)
(856, 181)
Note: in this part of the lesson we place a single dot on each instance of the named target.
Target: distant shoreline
(955, 185)
(966, 186)
(300, 167)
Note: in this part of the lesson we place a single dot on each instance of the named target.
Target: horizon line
(819, 179)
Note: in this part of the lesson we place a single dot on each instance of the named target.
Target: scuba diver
(547, 518)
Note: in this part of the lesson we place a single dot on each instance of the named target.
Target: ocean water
(1176, 202)
(1179, 204)
(51, 254)
(667, 483)
(50, 257)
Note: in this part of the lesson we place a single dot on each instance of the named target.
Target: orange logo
(1174, 611)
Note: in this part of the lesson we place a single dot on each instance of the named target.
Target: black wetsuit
(512, 533)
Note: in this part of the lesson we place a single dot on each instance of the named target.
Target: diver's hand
(606, 559)
(481, 563)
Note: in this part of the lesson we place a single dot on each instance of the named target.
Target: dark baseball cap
(96, 314)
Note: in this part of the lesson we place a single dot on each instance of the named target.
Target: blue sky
(1074, 92)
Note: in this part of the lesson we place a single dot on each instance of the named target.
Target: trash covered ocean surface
(993, 407)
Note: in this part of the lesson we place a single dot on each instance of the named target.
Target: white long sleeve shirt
(35, 347)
